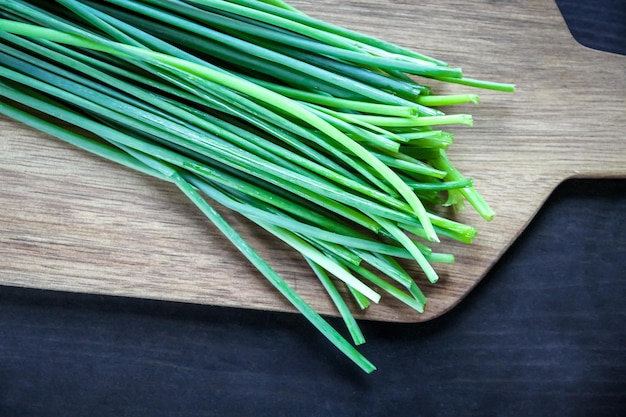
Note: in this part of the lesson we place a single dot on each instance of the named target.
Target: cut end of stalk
(467, 119)
(432, 278)
(447, 258)
(433, 238)
(488, 215)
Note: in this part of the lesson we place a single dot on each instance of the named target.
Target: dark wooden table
(543, 335)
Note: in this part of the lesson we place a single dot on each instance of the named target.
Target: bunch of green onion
(320, 135)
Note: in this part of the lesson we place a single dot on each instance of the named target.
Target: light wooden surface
(70, 221)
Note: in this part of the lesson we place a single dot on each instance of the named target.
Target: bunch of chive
(315, 133)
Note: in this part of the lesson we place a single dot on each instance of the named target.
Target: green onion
(318, 134)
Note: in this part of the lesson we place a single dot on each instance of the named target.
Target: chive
(311, 131)
(508, 88)
(415, 121)
(330, 101)
(319, 258)
(440, 186)
(286, 222)
(282, 4)
(274, 278)
(361, 301)
(229, 131)
(287, 40)
(195, 34)
(447, 100)
(447, 258)
(410, 246)
(417, 167)
(470, 193)
(287, 179)
(264, 95)
(75, 139)
(342, 307)
(390, 289)
(107, 152)
(385, 267)
(322, 29)
(200, 168)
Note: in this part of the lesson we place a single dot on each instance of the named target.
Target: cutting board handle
(578, 103)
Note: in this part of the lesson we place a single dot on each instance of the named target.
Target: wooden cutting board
(70, 221)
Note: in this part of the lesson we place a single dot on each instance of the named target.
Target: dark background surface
(544, 334)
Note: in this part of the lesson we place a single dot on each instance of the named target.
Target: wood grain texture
(70, 221)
